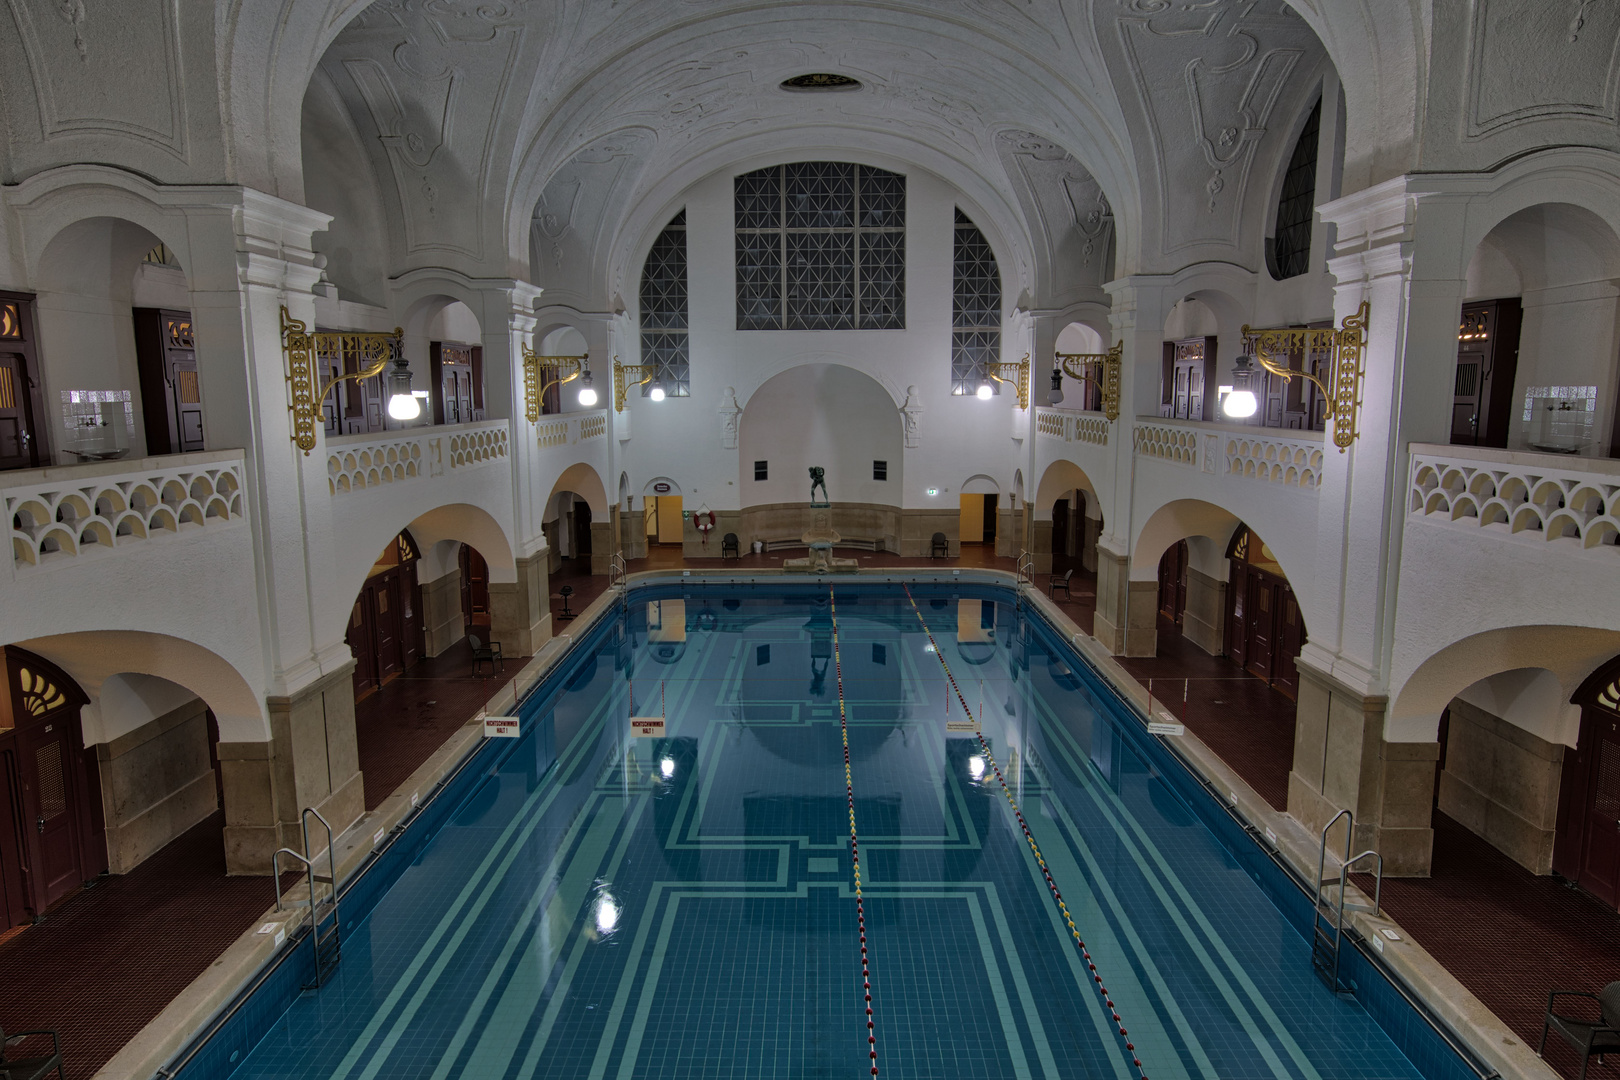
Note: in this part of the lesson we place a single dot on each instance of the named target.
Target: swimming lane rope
(854, 841)
(1091, 966)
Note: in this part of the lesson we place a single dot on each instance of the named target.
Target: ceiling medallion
(821, 80)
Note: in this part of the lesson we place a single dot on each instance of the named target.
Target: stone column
(602, 545)
(316, 761)
(1204, 623)
(1343, 756)
(1127, 619)
(520, 611)
(1092, 527)
(1502, 783)
(1041, 545)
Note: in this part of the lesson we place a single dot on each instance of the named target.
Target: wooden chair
(1054, 583)
(1600, 1036)
(729, 546)
(490, 653)
(32, 1068)
(939, 548)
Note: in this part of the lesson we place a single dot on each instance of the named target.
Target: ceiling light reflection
(976, 767)
(667, 767)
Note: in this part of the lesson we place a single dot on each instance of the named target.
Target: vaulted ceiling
(550, 137)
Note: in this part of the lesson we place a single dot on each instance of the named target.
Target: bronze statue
(818, 479)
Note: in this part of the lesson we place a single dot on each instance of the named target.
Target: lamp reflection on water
(666, 767)
(605, 914)
(976, 767)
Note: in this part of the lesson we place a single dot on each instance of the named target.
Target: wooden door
(13, 880)
(1600, 857)
(1060, 527)
(171, 398)
(363, 646)
(1469, 386)
(1238, 607)
(1290, 639)
(1188, 370)
(23, 444)
(1261, 624)
(1173, 582)
(452, 373)
(1487, 364)
(385, 605)
(474, 588)
(329, 365)
(46, 754)
(411, 645)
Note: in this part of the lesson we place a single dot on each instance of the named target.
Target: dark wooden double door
(1189, 370)
(457, 374)
(1487, 363)
(474, 590)
(1264, 630)
(1173, 583)
(171, 396)
(385, 627)
(51, 838)
(1587, 845)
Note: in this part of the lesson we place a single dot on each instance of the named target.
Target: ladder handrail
(1378, 875)
(275, 871)
(617, 571)
(1026, 566)
(1335, 913)
(331, 856)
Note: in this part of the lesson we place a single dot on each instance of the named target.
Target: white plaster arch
(583, 480)
(980, 484)
(1568, 653)
(648, 487)
(1061, 476)
(821, 357)
(91, 657)
(1178, 520)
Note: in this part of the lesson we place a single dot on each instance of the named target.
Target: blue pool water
(599, 905)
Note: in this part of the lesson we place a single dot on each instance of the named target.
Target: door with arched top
(1587, 845)
(55, 843)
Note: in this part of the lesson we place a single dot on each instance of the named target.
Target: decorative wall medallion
(821, 80)
(72, 12)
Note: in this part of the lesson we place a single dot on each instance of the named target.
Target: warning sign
(500, 727)
(647, 727)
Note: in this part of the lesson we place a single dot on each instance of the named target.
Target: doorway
(1587, 845)
(50, 832)
(1264, 628)
(1487, 363)
(385, 625)
(474, 591)
(977, 521)
(1173, 582)
(23, 444)
(171, 398)
(662, 514)
(456, 373)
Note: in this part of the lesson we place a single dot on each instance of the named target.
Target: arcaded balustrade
(1168, 441)
(358, 462)
(1293, 460)
(1561, 499)
(1072, 426)
(76, 511)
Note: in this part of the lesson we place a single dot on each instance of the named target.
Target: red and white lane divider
(854, 841)
(1085, 953)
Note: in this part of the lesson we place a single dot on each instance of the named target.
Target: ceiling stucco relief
(1533, 60)
(1210, 76)
(572, 218)
(71, 59)
(432, 78)
(1068, 214)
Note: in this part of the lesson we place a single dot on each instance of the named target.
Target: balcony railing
(358, 462)
(1559, 499)
(80, 511)
(1271, 455)
(1072, 426)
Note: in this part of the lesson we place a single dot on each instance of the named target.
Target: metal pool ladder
(328, 946)
(616, 569)
(1328, 912)
(1026, 567)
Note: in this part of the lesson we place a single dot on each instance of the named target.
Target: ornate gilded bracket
(1346, 349)
(371, 353)
(1016, 373)
(1104, 367)
(535, 368)
(627, 375)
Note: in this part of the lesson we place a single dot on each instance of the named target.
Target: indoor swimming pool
(588, 902)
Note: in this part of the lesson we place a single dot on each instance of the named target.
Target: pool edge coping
(191, 1012)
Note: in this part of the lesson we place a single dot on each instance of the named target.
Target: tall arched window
(1291, 247)
(975, 309)
(663, 310)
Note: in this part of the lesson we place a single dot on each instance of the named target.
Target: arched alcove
(823, 415)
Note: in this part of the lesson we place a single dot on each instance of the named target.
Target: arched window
(1290, 253)
(821, 245)
(975, 309)
(663, 311)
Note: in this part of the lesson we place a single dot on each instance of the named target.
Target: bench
(787, 543)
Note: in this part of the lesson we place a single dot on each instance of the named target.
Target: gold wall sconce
(1102, 368)
(1016, 374)
(627, 375)
(1344, 348)
(541, 373)
(371, 353)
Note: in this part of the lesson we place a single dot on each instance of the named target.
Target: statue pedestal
(820, 538)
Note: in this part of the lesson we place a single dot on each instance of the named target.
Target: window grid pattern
(975, 309)
(1291, 250)
(821, 245)
(664, 338)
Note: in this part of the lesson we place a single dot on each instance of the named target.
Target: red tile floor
(108, 960)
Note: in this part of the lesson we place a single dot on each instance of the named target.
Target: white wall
(682, 437)
(826, 415)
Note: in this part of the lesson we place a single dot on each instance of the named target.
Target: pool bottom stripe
(1074, 931)
(854, 840)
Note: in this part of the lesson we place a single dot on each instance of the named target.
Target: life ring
(704, 522)
(706, 620)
